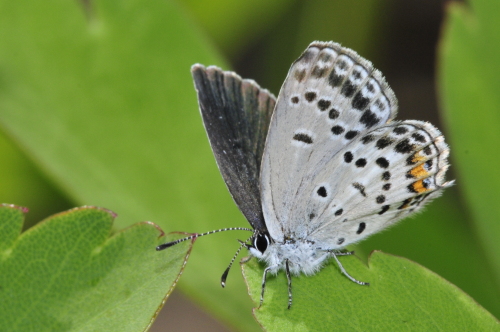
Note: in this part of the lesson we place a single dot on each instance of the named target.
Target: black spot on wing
(384, 209)
(412, 189)
(404, 146)
(348, 89)
(361, 228)
(322, 191)
(337, 130)
(301, 137)
(323, 104)
(300, 74)
(319, 72)
(384, 142)
(341, 64)
(361, 162)
(369, 119)
(335, 80)
(333, 114)
(418, 137)
(382, 162)
(400, 130)
(351, 134)
(428, 165)
(310, 96)
(367, 139)
(360, 187)
(348, 156)
(405, 204)
(411, 160)
(359, 102)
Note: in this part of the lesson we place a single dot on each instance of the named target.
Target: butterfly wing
(236, 114)
(332, 99)
(385, 175)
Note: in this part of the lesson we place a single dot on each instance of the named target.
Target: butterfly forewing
(236, 114)
(330, 96)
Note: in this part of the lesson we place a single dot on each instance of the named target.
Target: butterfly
(322, 166)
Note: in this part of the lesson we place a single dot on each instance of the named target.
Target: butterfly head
(259, 244)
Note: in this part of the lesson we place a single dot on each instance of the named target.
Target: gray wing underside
(236, 114)
(384, 176)
(331, 99)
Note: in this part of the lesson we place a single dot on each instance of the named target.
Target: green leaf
(402, 296)
(440, 240)
(66, 274)
(469, 74)
(103, 102)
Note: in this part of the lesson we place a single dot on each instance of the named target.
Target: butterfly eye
(260, 242)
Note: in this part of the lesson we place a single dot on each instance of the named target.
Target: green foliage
(469, 74)
(402, 296)
(103, 101)
(66, 274)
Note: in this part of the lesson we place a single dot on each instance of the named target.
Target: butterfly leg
(264, 276)
(345, 272)
(289, 278)
(341, 253)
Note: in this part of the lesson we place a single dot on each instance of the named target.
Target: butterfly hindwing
(236, 114)
(385, 175)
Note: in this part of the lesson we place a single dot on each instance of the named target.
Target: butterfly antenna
(195, 236)
(224, 275)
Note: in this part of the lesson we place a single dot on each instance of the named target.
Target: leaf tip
(158, 228)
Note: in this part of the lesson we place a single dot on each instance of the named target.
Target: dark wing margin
(236, 113)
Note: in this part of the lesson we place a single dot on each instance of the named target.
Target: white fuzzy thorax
(303, 256)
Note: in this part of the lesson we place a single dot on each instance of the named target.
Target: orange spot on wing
(418, 157)
(419, 186)
(419, 171)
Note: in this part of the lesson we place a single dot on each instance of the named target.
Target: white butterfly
(322, 167)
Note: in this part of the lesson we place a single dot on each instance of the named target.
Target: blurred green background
(97, 107)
